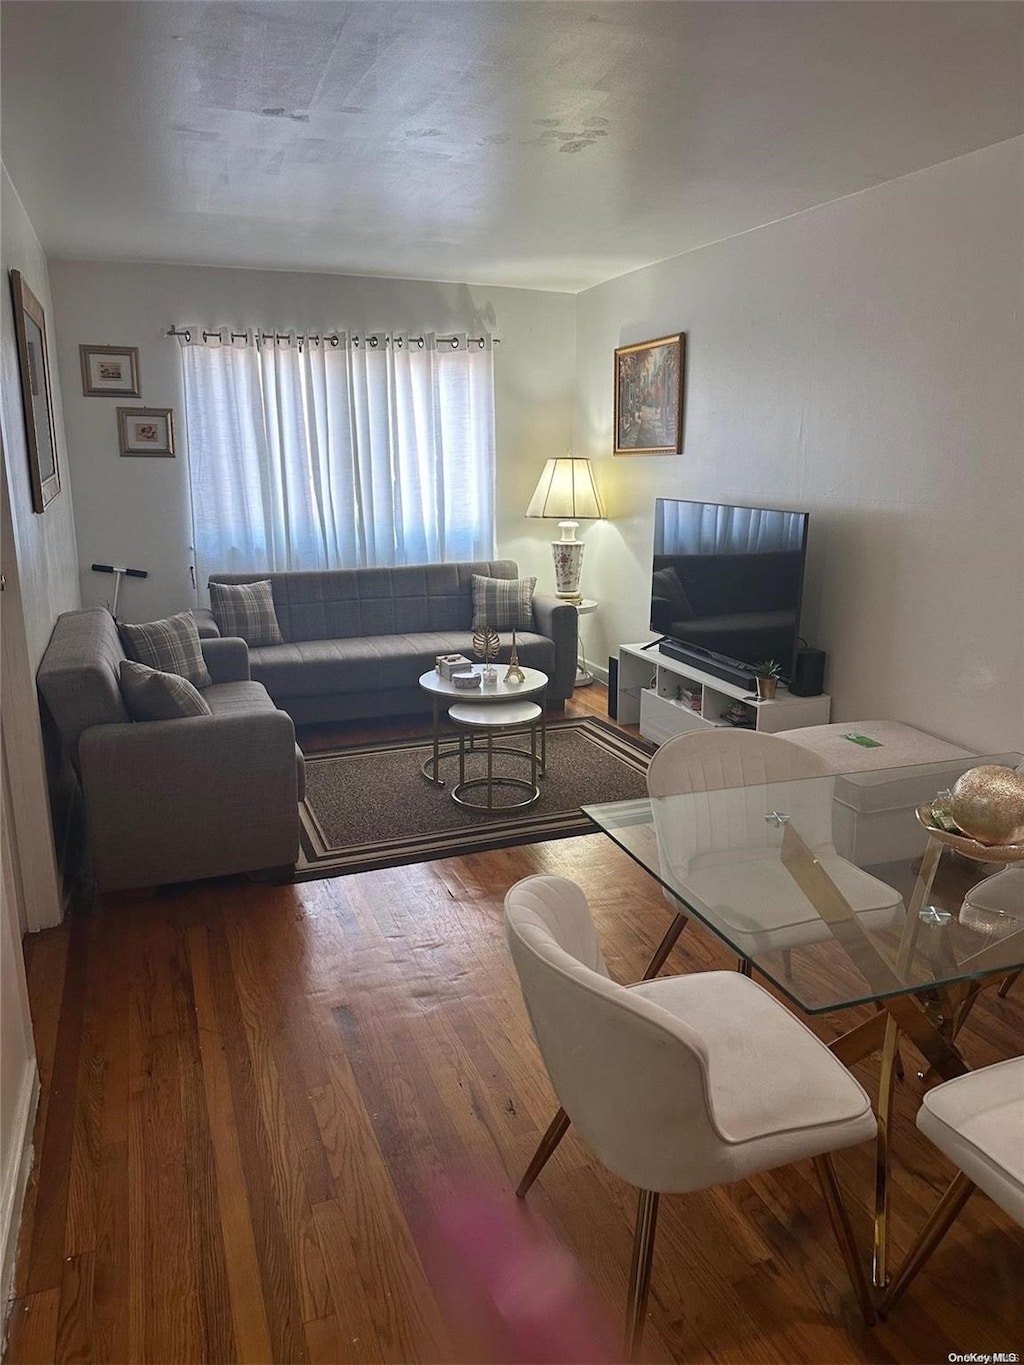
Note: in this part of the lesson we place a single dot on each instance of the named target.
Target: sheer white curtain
(308, 455)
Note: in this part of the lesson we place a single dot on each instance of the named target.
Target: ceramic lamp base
(568, 557)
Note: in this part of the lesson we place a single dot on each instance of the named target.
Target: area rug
(369, 806)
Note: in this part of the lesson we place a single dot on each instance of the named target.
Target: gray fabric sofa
(173, 800)
(357, 640)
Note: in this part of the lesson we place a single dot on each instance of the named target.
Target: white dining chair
(977, 1120)
(721, 839)
(681, 1083)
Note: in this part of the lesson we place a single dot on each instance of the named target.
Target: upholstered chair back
(713, 799)
(78, 675)
(629, 1074)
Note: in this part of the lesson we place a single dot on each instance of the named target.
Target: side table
(584, 677)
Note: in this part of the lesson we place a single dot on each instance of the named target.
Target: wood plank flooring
(254, 1098)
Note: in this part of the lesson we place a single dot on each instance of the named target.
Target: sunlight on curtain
(319, 457)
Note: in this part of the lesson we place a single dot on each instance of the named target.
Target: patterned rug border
(520, 827)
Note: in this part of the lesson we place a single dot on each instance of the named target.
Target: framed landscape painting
(36, 395)
(146, 431)
(649, 397)
(110, 369)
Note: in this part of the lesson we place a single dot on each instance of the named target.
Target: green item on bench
(863, 740)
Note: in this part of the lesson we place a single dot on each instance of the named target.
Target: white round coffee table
(444, 694)
(502, 718)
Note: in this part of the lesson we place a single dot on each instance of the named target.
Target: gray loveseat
(173, 800)
(357, 640)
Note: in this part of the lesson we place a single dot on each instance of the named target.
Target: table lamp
(566, 491)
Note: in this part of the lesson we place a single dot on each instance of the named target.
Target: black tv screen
(727, 581)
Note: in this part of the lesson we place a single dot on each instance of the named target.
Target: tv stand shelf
(666, 697)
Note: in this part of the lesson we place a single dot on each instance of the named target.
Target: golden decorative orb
(988, 804)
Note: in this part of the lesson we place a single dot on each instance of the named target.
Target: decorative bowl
(466, 681)
(970, 848)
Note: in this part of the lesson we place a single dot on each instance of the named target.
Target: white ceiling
(520, 142)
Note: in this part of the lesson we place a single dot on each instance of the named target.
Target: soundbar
(709, 663)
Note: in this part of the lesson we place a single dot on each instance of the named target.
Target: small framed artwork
(145, 431)
(110, 369)
(649, 397)
(36, 395)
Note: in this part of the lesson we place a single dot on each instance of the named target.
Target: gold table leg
(903, 1011)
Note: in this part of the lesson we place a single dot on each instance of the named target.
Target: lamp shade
(566, 491)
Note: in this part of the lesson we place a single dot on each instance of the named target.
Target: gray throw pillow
(503, 603)
(246, 610)
(170, 646)
(152, 695)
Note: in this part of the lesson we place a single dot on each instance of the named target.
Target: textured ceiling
(545, 144)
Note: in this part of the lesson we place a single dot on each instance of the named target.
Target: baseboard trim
(12, 1197)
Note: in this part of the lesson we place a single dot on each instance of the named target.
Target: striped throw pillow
(170, 646)
(152, 695)
(503, 603)
(246, 610)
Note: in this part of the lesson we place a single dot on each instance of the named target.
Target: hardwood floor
(254, 1098)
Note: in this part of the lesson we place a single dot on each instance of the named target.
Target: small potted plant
(767, 675)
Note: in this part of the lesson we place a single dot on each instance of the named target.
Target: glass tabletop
(831, 886)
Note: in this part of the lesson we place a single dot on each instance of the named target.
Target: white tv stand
(666, 697)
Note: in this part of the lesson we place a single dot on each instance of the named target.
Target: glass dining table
(838, 890)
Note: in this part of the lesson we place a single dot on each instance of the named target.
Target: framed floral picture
(36, 395)
(146, 431)
(110, 370)
(649, 397)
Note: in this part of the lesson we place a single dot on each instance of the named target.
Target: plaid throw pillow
(170, 646)
(246, 610)
(503, 603)
(152, 695)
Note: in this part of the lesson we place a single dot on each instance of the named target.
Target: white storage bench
(879, 790)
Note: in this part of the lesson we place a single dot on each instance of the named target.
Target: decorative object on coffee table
(514, 673)
(766, 676)
(447, 664)
(486, 644)
(466, 680)
(566, 491)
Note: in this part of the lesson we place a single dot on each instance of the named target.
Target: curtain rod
(333, 338)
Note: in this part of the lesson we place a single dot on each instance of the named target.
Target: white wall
(135, 512)
(39, 563)
(45, 541)
(862, 361)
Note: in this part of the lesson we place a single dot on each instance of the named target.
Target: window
(304, 454)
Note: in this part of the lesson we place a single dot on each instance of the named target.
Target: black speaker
(809, 673)
(613, 686)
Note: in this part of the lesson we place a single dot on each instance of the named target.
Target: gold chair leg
(840, 1220)
(557, 1129)
(930, 1236)
(1006, 985)
(665, 946)
(640, 1271)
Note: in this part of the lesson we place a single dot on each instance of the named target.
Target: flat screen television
(726, 585)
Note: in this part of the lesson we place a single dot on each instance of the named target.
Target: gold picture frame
(649, 381)
(146, 431)
(110, 370)
(36, 394)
